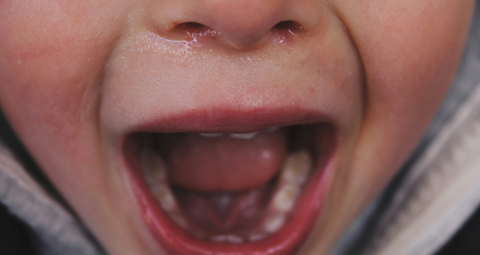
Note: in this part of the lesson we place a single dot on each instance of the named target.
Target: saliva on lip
(294, 174)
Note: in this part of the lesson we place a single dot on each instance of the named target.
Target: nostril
(189, 26)
(288, 26)
(198, 34)
(193, 31)
(284, 32)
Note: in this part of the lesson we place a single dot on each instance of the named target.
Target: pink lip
(175, 240)
(223, 119)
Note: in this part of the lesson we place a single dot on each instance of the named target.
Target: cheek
(412, 68)
(410, 51)
(52, 54)
(51, 61)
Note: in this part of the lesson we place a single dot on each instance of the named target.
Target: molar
(180, 220)
(274, 222)
(164, 195)
(153, 168)
(297, 167)
(286, 197)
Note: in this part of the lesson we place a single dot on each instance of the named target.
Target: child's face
(78, 78)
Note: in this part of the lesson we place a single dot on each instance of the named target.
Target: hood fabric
(433, 195)
(55, 231)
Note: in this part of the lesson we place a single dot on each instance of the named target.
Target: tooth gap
(212, 135)
(272, 129)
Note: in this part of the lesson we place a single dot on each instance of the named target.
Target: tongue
(224, 212)
(225, 164)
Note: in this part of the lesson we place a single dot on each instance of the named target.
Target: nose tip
(241, 23)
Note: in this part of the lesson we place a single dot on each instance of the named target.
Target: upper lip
(229, 120)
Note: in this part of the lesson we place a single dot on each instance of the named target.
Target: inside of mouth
(231, 188)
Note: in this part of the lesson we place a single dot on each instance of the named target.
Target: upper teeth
(238, 135)
(244, 136)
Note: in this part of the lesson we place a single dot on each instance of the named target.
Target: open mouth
(231, 193)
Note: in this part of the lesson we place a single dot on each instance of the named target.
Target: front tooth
(286, 197)
(274, 223)
(234, 239)
(164, 195)
(297, 168)
(244, 136)
(219, 238)
(257, 237)
(227, 238)
(211, 135)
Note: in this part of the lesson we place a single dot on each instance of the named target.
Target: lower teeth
(294, 174)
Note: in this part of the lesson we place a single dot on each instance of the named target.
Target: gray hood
(55, 229)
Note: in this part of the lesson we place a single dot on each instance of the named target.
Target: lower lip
(287, 240)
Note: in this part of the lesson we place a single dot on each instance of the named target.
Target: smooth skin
(76, 76)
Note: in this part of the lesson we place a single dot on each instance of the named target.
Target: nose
(240, 23)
